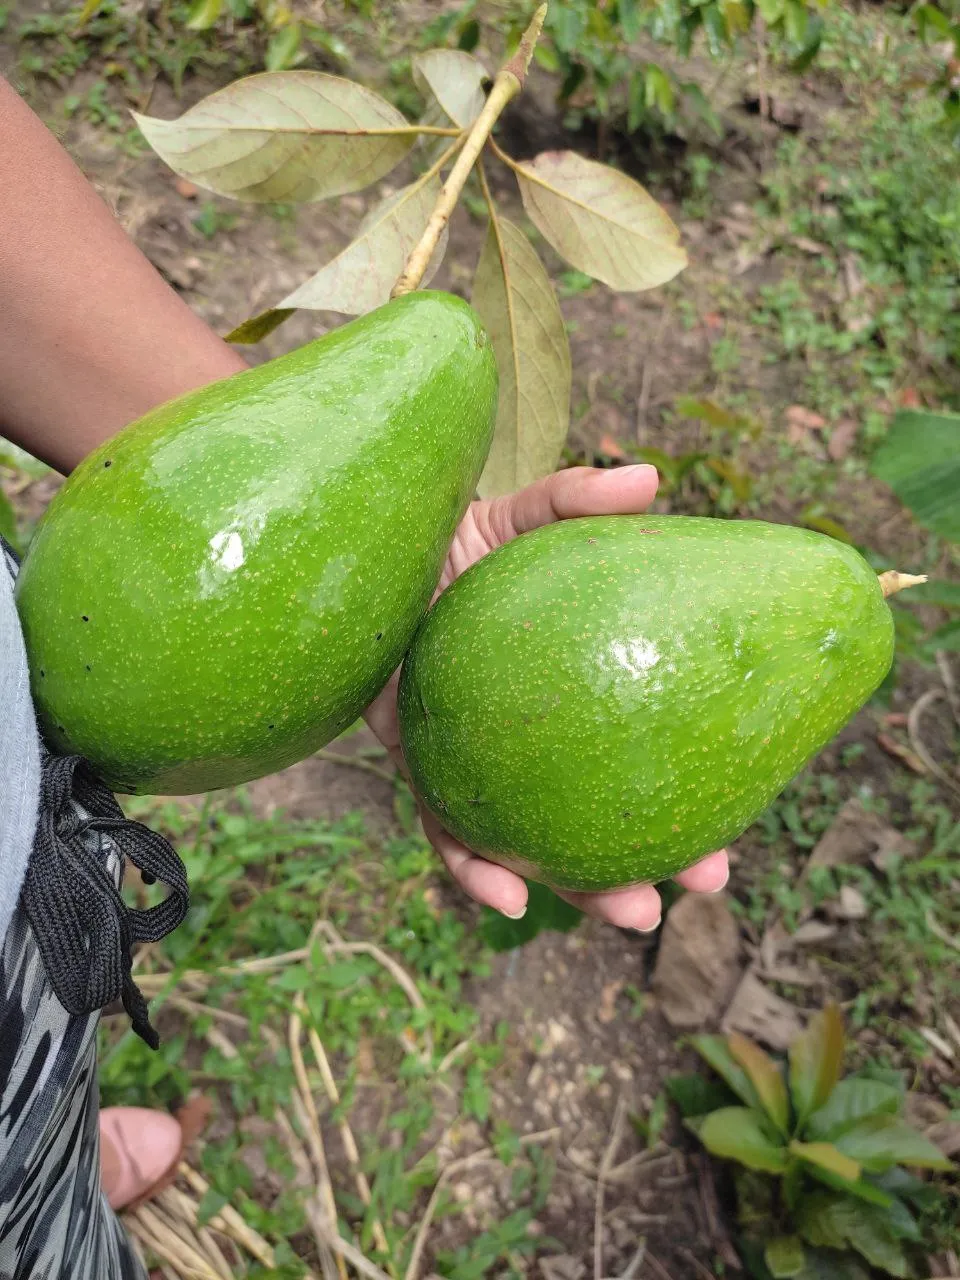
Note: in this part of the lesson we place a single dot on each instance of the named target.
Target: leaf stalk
(508, 83)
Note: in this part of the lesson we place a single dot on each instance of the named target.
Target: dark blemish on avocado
(108, 463)
(591, 541)
(379, 635)
(627, 813)
(42, 673)
(88, 666)
(269, 726)
(84, 617)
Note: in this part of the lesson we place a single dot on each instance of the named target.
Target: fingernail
(514, 915)
(723, 883)
(638, 466)
(650, 928)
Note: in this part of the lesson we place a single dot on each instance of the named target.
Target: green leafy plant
(544, 911)
(891, 210)
(920, 461)
(941, 22)
(301, 136)
(592, 47)
(820, 1176)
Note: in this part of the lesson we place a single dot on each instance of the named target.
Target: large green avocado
(605, 700)
(221, 588)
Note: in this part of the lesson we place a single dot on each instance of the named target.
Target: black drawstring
(84, 930)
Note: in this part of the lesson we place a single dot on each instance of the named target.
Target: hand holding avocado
(567, 495)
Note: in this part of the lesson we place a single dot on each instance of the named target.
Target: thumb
(577, 491)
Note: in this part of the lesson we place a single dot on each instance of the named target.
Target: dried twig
(659, 1268)
(420, 1239)
(301, 1163)
(157, 1235)
(940, 932)
(307, 1110)
(346, 1136)
(648, 1160)
(458, 1050)
(355, 762)
(508, 83)
(697, 1265)
(341, 1247)
(179, 1204)
(938, 1042)
(949, 683)
(616, 1137)
(396, 971)
(449, 1171)
(636, 1262)
(229, 1222)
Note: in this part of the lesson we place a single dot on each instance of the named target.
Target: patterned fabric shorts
(55, 1223)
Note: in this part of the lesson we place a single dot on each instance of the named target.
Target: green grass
(895, 968)
(882, 306)
(258, 886)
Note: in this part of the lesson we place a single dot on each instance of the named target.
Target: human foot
(138, 1148)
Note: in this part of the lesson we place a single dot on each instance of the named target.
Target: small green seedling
(820, 1184)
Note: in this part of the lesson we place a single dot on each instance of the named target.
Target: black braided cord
(85, 932)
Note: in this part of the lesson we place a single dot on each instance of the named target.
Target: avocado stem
(510, 80)
(891, 582)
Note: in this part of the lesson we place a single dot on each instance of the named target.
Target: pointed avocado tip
(891, 582)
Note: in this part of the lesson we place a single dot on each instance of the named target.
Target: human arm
(91, 336)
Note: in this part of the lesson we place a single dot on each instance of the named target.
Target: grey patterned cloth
(19, 753)
(55, 1223)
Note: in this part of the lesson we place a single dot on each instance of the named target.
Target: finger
(635, 908)
(486, 882)
(577, 491)
(708, 876)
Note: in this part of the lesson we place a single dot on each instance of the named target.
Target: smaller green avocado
(604, 701)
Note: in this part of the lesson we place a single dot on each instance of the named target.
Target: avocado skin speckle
(603, 701)
(254, 560)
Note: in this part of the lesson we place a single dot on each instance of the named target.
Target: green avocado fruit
(605, 700)
(221, 588)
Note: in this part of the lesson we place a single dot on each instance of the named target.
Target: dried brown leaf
(804, 419)
(842, 439)
(600, 220)
(283, 135)
(761, 1014)
(360, 278)
(515, 300)
(901, 752)
(455, 79)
